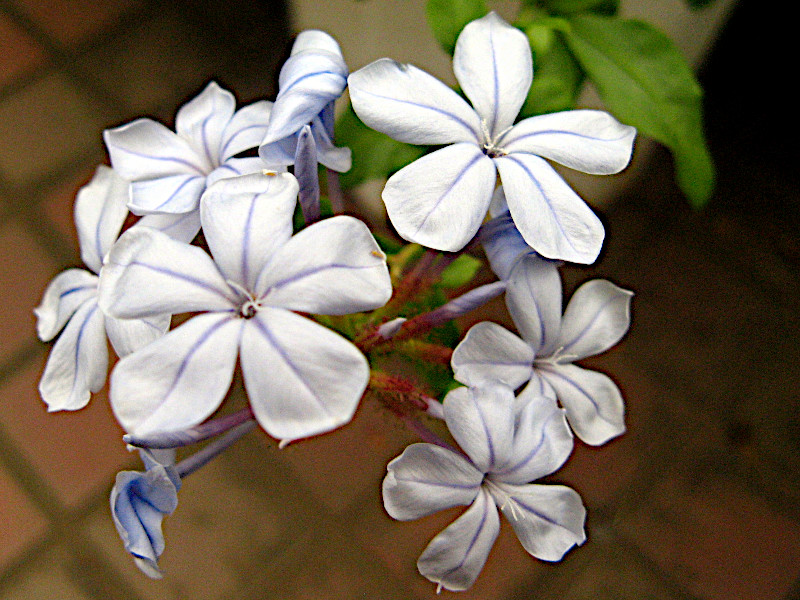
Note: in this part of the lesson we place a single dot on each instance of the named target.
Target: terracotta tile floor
(698, 501)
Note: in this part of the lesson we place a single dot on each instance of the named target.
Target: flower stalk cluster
(307, 305)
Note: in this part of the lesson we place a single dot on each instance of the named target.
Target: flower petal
(481, 420)
(245, 130)
(542, 442)
(411, 106)
(491, 352)
(174, 194)
(302, 378)
(180, 379)
(181, 227)
(503, 244)
(333, 267)
(441, 199)
(594, 405)
(533, 297)
(203, 120)
(425, 479)
(455, 557)
(245, 220)
(145, 149)
(590, 141)
(311, 78)
(65, 294)
(128, 335)
(147, 273)
(548, 519)
(493, 65)
(78, 362)
(550, 216)
(282, 152)
(236, 167)
(597, 316)
(100, 211)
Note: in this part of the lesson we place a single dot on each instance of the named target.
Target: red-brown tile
(20, 522)
(76, 20)
(25, 272)
(77, 453)
(18, 53)
(716, 539)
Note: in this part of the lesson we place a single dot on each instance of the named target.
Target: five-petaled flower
(441, 199)
(302, 378)
(596, 318)
(507, 445)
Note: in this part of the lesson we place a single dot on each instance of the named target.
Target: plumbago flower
(311, 80)
(302, 378)
(140, 501)
(78, 363)
(441, 199)
(169, 171)
(506, 449)
(596, 318)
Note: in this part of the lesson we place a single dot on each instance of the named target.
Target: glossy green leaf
(461, 271)
(448, 17)
(646, 82)
(557, 80)
(572, 7)
(375, 155)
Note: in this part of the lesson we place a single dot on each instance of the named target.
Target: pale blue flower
(302, 378)
(440, 200)
(169, 171)
(596, 318)
(78, 362)
(508, 444)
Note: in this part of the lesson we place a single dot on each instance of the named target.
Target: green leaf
(375, 155)
(646, 82)
(460, 272)
(557, 80)
(572, 7)
(698, 4)
(448, 17)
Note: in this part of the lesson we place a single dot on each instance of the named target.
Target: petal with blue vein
(455, 557)
(172, 194)
(147, 273)
(182, 227)
(590, 141)
(334, 267)
(302, 379)
(594, 405)
(481, 420)
(65, 294)
(78, 362)
(245, 220)
(548, 213)
(100, 211)
(177, 381)
(411, 106)
(203, 120)
(425, 479)
(542, 442)
(491, 352)
(596, 318)
(493, 65)
(548, 519)
(533, 298)
(246, 129)
(128, 335)
(441, 199)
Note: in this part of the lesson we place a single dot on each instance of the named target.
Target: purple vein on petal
(313, 271)
(173, 159)
(189, 178)
(568, 381)
(76, 289)
(474, 539)
(583, 332)
(78, 342)
(502, 140)
(193, 280)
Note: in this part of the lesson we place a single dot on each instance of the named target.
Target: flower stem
(177, 439)
(212, 450)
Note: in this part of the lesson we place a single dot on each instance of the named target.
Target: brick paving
(698, 501)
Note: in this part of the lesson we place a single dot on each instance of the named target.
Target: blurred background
(698, 501)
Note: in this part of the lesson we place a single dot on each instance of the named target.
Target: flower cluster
(278, 287)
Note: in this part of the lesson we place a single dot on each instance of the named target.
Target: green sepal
(460, 272)
(447, 18)
(646, 82)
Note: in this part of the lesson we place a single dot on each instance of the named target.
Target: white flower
(441, 199)
(302, 378)
(596, 318)
(170, 170)
(79, 360)
(311, 80)
(506, 449)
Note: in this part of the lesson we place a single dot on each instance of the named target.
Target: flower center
(249, 309)
(491, 147)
